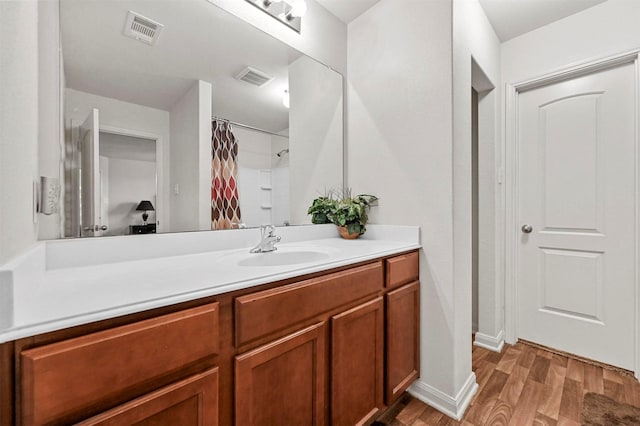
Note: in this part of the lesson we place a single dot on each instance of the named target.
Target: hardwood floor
(524, 385)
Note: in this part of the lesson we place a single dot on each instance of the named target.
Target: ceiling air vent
(254, 76)
(141, 28)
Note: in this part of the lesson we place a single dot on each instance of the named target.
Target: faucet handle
(267, 230)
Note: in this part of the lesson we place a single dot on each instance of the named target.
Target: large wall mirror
(180, 117)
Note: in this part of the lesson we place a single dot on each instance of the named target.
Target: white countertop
(49, 288)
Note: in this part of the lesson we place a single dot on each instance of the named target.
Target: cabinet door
(189, 402)
(357, 350)
(403, 339)
(66, 381)
(270, 311)
(283, 383)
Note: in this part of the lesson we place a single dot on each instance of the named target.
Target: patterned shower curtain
(225, 202)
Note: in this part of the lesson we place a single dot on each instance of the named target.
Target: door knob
(104, 227)
(527, 229)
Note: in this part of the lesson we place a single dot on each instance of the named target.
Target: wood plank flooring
(524, 385)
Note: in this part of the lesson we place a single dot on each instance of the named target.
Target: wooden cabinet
(403, 338)
(283, 382)
(402, 269)
(265, 312)
(372, 312)
(333, 347)
(193, 401)
(68, 380)
(357, 351)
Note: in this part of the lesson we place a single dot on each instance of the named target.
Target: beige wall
(50, 129)
(315, 134)
(399, 148)
(608, 28)
(191, 160)
(476, 63)
(409, 142)
(18, 125)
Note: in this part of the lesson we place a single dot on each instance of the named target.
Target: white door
(91, 211)
(576, 174)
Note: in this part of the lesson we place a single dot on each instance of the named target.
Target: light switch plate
(49, 200)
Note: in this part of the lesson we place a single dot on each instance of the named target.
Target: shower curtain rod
(246, 126)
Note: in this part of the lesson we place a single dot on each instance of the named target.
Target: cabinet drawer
(192, 401)
(402, 269)
(266, 312)
(89, 373)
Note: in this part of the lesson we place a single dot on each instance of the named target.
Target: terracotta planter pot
(345, 234)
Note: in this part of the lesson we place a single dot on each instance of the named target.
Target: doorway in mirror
(127, 175)
(109, 170)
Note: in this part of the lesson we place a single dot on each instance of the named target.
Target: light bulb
(298, 9)
(285, 99)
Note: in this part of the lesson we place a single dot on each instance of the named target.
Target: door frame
(161, 202)
(512, 230)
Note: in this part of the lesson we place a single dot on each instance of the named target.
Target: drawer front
(192, 401)
(402, 269)
(262, 313)
(86, 373)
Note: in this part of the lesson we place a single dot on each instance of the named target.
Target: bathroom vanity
(333, 343)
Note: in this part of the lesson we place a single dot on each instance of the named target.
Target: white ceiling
(511, 18)
(201, 41)
(347, 10)
(198, 41)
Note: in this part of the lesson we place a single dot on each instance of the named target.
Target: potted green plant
(320, 209)
(347, 212)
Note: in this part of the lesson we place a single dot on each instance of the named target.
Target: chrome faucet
(267, 241)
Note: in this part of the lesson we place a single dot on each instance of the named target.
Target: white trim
(128, 132)
(512, 231)
(492, 343)
(511, 201)
(637, 213)
(453, 407)
(574, 71)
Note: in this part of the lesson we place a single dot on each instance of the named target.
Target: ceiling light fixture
(289, 12)
(298, 9)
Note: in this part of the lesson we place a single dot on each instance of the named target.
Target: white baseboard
(453, 407)
(489, 342)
